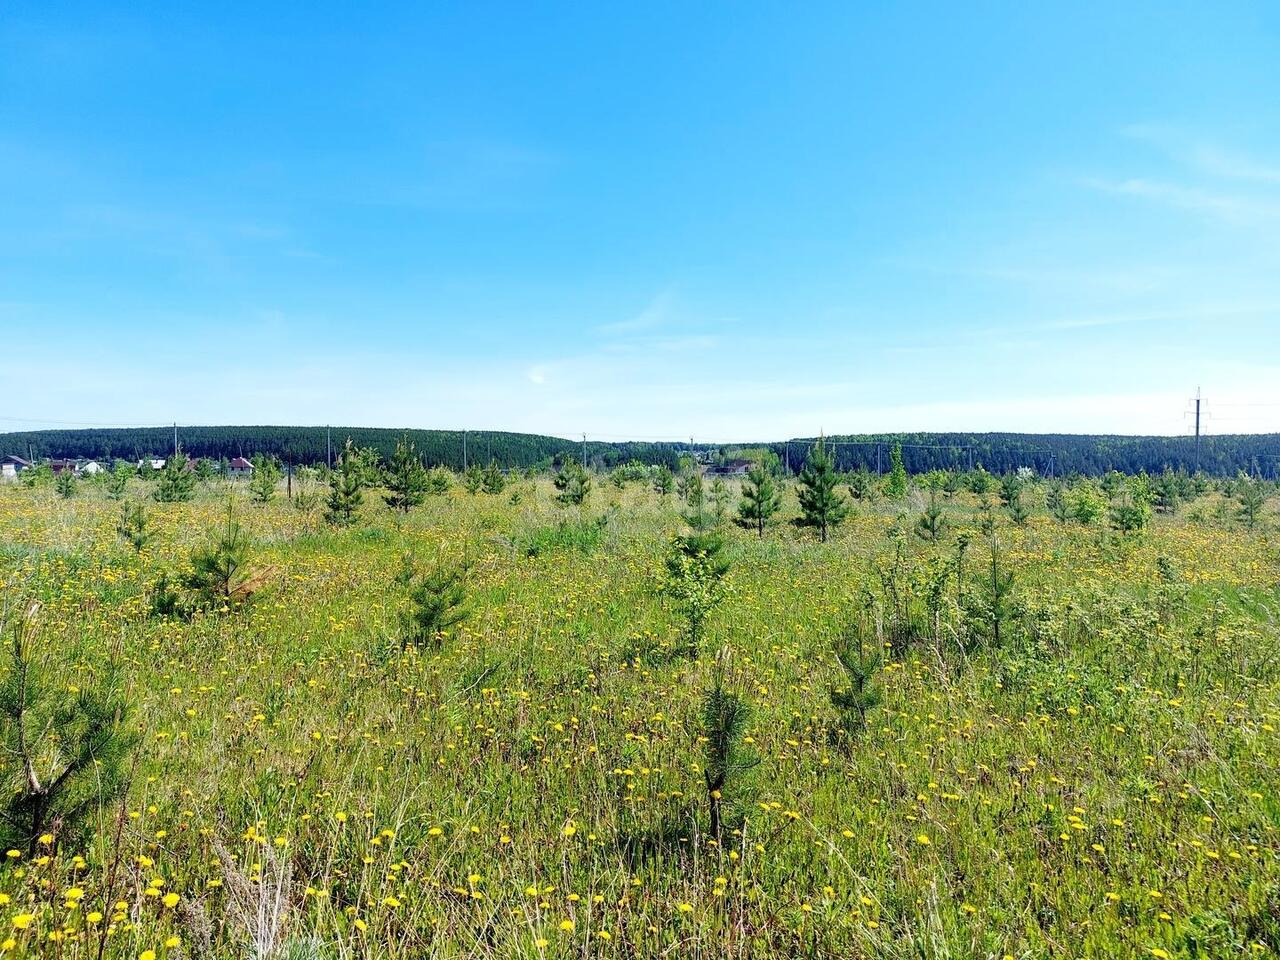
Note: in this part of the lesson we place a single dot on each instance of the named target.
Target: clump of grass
(583, 535)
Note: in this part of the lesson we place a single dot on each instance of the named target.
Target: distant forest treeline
(301, 445)
(1050, 454)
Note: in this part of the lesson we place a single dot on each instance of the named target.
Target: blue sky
(725, 221)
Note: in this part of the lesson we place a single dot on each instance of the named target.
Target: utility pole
(879, 470)
(175, 439)
(464, 451)
(328, 447)
(1197, 429)
(584, 451)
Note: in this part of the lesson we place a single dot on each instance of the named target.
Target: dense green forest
(300, 445)
(1048, 454)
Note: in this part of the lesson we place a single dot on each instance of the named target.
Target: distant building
(239, 467)
(730, 468)
(91, 467)
(63, 466)
(11, 466)
(155, 463)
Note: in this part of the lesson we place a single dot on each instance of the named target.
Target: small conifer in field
(405, 478)
(346, 489)
(132, 526)
(821, 505)
(574, 484)
(761, 500)
(724, 719)
(176, 484)
(65, 745)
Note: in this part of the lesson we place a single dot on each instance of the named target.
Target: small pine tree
(895, 485)
(175, 484)
(67, 751)
(1252, 500)
(724, 721)
(1010, 488)
(857, 693)
(1133, 512)
(932, 524)
(761, 500)
(1056, 501)
(437, 603)
(219, 566)
(691, 490)
(205, 470)
(821, 505)
(438, 481)
(663, 480)
(132, 527)
(980, 482)
(266, 477)
(1086, 502)
(40, 475)
(118, 480)
(369, 463)
(405, 479)
(993, 605)
(574, 484)
(696, 568)
(65, 484)
(473, 479)
(860, 484)
(1113, 482)
(1166, 493)
(346, 489)
(719, 498)
(305, 495)
(493, 481)
(1018, 511)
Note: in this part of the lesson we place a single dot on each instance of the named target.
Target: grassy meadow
(1101, 783)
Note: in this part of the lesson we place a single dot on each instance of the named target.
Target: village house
(11, 466)
(239, 467)
(730, 468)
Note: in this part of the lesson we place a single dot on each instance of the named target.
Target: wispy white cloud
(655, 313)
(1215, 312)
(1227, 207)
(1235, 166)
(1204, 153)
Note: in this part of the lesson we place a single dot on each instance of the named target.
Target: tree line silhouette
(1047, 454)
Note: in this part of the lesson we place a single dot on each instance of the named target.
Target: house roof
(731, 466)
(239, 463)
(17, 461)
